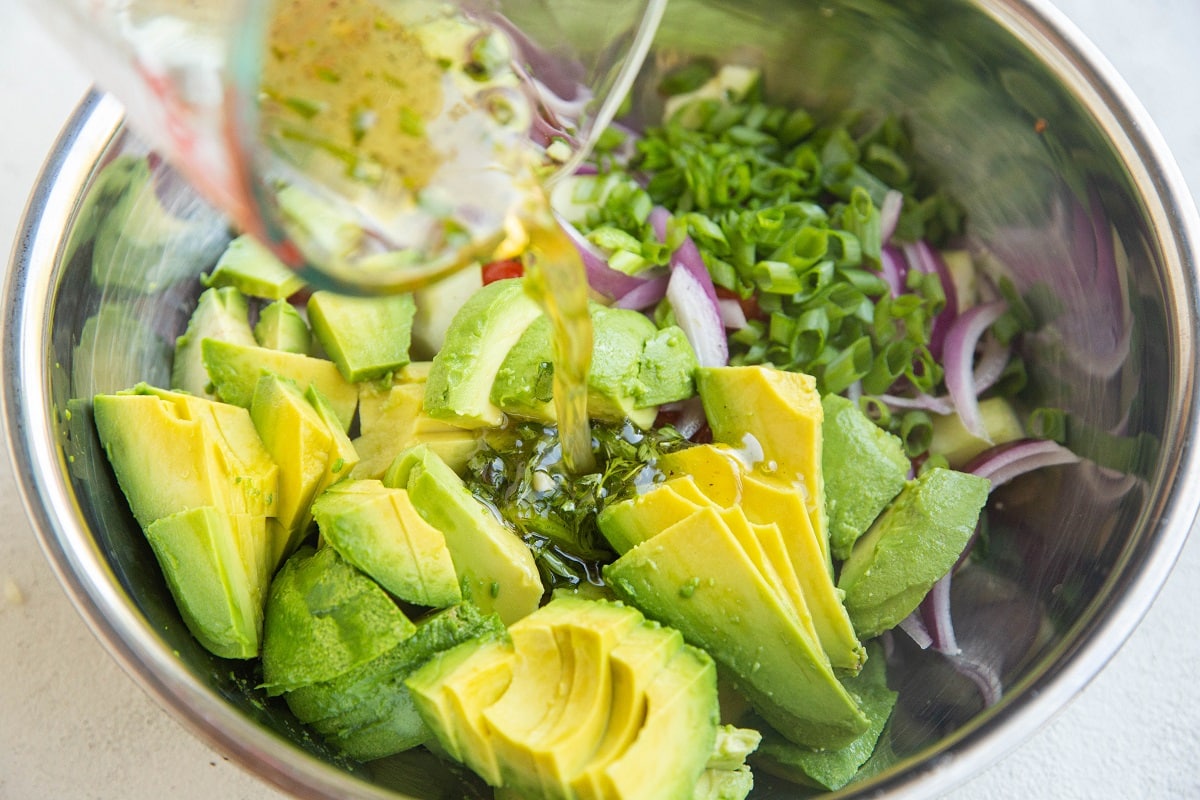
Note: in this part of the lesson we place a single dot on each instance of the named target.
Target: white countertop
(73, 725)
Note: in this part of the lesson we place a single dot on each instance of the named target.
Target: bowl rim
(82, 570)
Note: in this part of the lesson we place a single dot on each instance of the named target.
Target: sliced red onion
(601, 277)
(690, 417)
(982, 675)
(914, 626)
(935, 613)
(893, 269)
(1004, 462)
(925, 258)
(658, 219)
(993, 358)
(697, 313)
(958, 361)
(889, 213)
(647, 294)
(923, 402)
(733, 316)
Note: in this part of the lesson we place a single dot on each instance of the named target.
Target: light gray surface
(72, 725)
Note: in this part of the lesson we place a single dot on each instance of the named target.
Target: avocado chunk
(221, 314)
(696, 576)
(323, 619)
(832, 769)
(215, 565)
(367, 337)
(378, 530)
(952, 440)
(916, 541)
(236, 368)
(864, 468)
(666, 373)
(588, 699)
(311, 450)
(524, 384)
(436, 306)
(248, 266)
(368, 712)
(781, 414)
(495, 569)
(173, 452)
(281, 327)
(487, 326)
(392, 419)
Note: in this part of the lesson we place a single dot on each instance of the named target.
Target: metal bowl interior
(1069, 194)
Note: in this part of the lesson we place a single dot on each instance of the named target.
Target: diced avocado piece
(696, 577)
(436, 307)
(494, 567)
(916, 541)
(252, 269)
(172, 452)
(367, 337)
(667, 370)
(236, 368)
(220, 314)
(459, 386)
(864, 467)
(627, 523)
(378, 530)
(368, 712)
(392, 419)
(832, 769)
(325, 618)
(524, 384)
(451, 692)
(952, 440)
(214, 563)
(727, 776)
(310, 451)
(281, 327)
(671, 750)
(781, 412)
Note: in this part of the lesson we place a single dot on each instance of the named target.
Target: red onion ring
(1005, 462)
(889, 213)
(958, 361)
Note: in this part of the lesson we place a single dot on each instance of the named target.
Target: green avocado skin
(864, 467)
(914, 543)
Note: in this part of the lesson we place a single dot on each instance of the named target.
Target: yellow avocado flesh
(696, 576)
(782, 412)
(378, 530)
(392, 419)
(630, 522)
(649, 770)
(495, 569)
(767, 500)
(215, 567)
(236, 368)
(634, 662)
(173, 452)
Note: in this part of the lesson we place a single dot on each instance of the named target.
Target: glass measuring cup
(375, 145)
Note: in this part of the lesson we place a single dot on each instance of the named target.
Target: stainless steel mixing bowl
(1069, 192)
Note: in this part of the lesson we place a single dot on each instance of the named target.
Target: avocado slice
(378, 530)
(248, 266)
(392, 419)
(864, 467)
(172, 452)
(691, 576)
(367, 337)
(781, 413)
(368, 712)
(236, 368)
(325, 618)
(830, 770)
(222, 314)
(280, 327)
(215, 565)
(311, 453)
(910, 547)
(459, 386)
(627, 523)
(494, 567)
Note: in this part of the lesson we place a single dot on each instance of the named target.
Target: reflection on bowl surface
(1063, 196)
